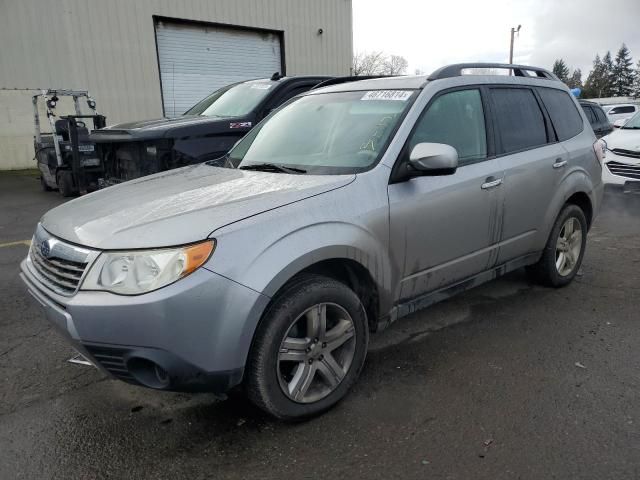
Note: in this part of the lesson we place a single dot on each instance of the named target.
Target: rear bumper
(197, 331)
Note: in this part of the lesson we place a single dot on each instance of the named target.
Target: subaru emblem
(44, 249)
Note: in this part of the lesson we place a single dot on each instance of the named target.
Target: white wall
(108, 47)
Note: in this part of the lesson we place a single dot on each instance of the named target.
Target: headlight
(142, 271)
(152, 150)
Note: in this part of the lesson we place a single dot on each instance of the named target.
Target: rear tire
(297, 368)
(64, 179)
(562, 256)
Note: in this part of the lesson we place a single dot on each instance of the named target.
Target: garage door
(197, 59)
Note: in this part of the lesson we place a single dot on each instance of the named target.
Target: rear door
(532, 160)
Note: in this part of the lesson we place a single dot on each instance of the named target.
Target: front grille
(57, 265)
(112, 360)
(61, 276)
(624, 170)
(626, 153)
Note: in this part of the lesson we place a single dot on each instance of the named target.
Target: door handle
(491, 183)
(559, 163)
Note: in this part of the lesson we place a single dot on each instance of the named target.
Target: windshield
(328, 133)
(234, 100)
(633, 123)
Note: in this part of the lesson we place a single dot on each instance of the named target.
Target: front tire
(44, 185)
(308, 349)
(564, 251)
(64, 180)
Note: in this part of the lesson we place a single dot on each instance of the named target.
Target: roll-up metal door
(196, 59)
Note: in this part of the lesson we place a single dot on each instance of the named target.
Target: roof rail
(518, 70)
(353, 78)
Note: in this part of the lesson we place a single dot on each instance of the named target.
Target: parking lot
(509, 380)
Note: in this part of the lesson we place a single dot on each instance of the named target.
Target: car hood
(157, 128)
(179, 206)
(628, 139)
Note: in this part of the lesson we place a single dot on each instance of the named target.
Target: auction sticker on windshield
(402, 95)
(261, 86)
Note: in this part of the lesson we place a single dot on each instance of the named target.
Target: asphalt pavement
(509, 380)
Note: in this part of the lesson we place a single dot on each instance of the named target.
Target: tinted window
(565, 117)
(601, 115)
(627, 109)
(457, 119)
(590, 114)
(519, 118)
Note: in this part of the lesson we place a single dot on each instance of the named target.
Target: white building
(148, 58)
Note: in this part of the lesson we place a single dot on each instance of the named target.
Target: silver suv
(346, 209)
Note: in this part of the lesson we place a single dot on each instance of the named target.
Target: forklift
(66, 157)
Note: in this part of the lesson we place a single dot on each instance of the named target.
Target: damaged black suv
(205, 132)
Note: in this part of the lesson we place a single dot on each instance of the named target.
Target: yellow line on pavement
(13, 244)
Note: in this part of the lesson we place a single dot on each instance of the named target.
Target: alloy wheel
(316, 353)
(568, 246)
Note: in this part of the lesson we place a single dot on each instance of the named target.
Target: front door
(445, 228)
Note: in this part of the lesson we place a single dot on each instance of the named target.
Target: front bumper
(198, 331)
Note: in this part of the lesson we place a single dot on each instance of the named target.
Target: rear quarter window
(564, 114)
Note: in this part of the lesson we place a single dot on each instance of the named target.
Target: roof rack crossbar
(518, 70)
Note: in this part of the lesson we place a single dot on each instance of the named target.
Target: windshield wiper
(272, 167)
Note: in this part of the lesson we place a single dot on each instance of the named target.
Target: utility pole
(513, 32)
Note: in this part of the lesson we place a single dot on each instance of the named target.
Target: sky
(430, 34)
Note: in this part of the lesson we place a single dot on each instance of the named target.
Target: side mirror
(619, 123)
(433, 159)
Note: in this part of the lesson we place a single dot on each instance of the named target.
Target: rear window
(565, 117)
(520, 120)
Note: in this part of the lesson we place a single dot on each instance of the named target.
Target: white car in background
(621, 112)
(622, 161)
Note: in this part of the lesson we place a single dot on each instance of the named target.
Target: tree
(607, 75)
(622, 73)
(368, 63)
(575, 80)
(395, 65)
(377, 63)
(597, 82)
(561, 70)
(635, 87)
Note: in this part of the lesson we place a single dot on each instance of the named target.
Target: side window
(590, 114)
(456, 119)
(293, 92)
(625, 109)
(602, 117)
(283, 96)
(519, 118)
(565, 117)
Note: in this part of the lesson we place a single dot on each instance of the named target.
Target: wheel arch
(576, 188)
